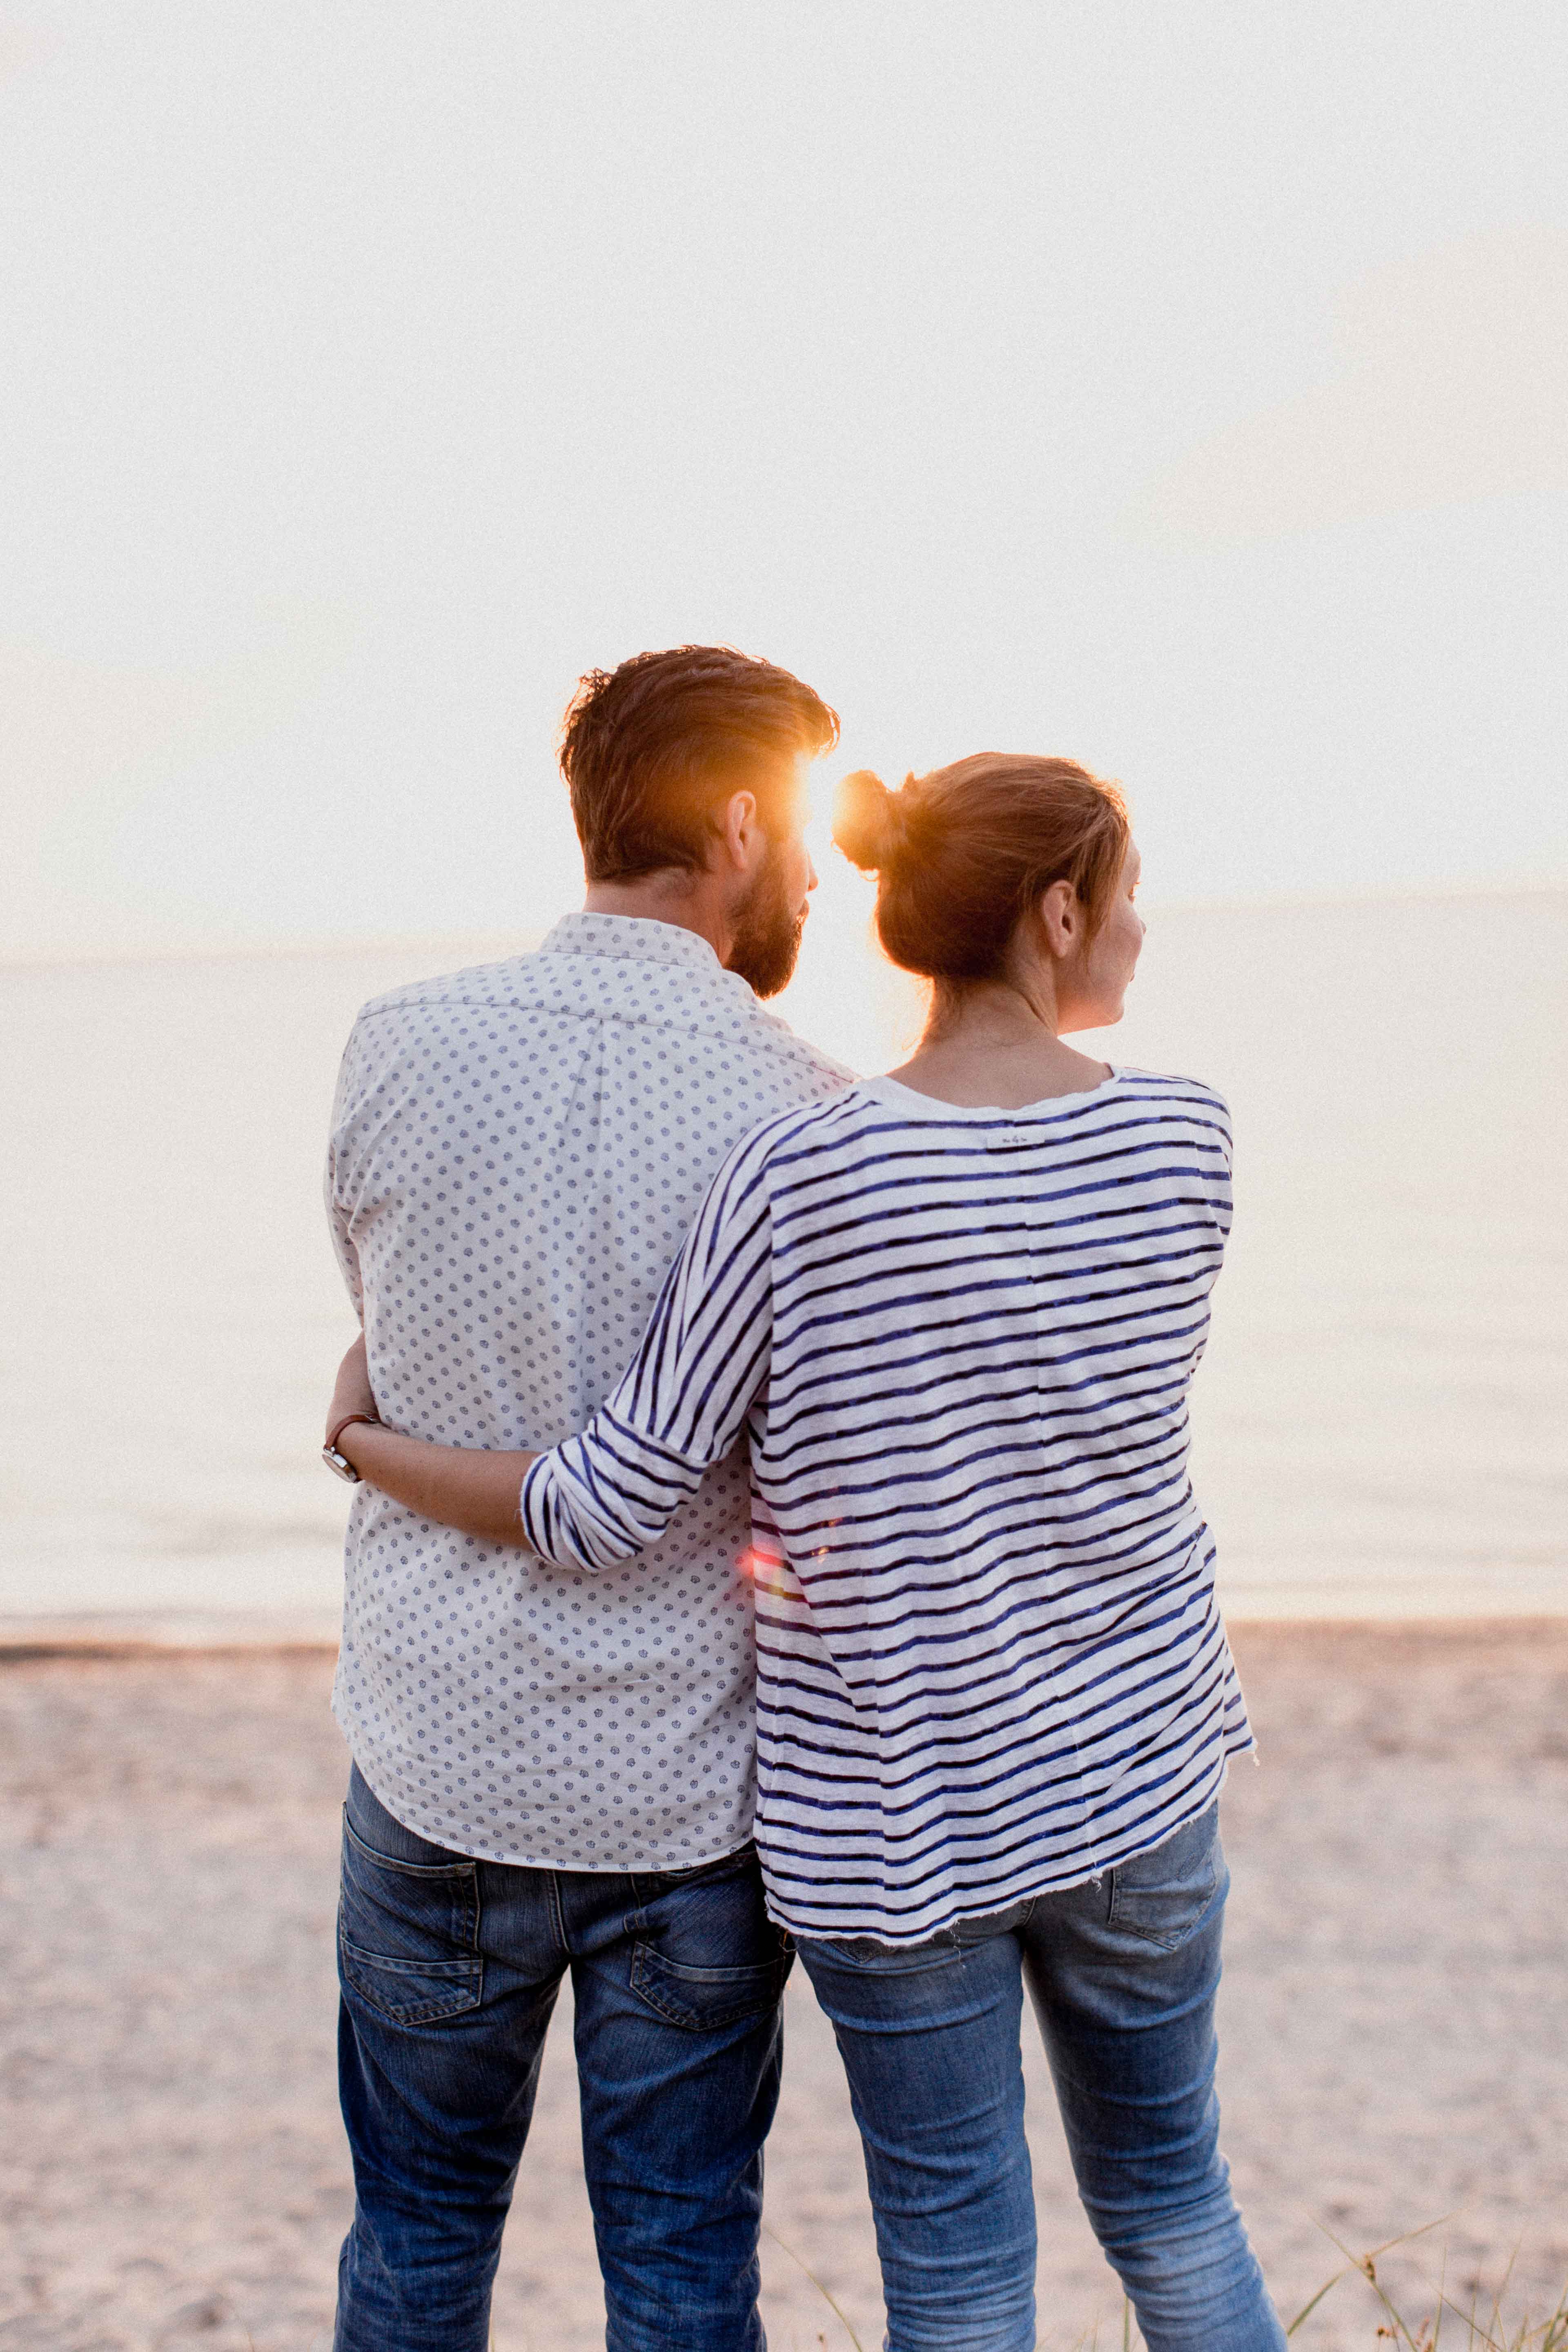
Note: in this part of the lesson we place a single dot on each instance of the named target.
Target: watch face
(340, 1464)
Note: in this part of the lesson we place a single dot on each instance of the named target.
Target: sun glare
(845, 996)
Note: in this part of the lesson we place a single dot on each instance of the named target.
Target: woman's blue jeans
(449, 1969)
(1123, 1974)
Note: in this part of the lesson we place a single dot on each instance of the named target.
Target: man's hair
(650, 749)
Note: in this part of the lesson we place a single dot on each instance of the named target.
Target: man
(551, 1771)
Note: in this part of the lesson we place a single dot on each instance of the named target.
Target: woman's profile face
(1099, 985)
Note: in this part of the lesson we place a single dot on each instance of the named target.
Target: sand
(1395, 2023)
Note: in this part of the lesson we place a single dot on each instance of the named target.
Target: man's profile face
(769, 919)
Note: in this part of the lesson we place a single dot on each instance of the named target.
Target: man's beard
(767, 932)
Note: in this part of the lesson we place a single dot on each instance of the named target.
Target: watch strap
(372, 1420)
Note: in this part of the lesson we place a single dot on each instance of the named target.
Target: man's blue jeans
(1123, 1975)
(449, 1969)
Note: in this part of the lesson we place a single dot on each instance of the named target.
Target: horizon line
(505, 940)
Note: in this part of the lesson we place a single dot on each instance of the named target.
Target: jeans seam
(557, 1914)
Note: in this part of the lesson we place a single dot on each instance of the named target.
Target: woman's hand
(478, 1493)
(354, 1393)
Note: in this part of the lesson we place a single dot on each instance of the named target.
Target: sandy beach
(1394, 2020)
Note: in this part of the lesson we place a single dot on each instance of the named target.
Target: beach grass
(1463, 2329)
(1467, 2329)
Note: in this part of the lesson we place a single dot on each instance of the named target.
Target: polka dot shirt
(516, 1154)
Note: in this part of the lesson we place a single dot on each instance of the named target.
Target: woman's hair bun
(869, 825)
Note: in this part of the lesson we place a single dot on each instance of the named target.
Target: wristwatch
(338, 1463)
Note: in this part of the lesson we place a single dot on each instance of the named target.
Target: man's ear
(736, 827)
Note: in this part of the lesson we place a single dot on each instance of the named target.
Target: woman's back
(988, 1656)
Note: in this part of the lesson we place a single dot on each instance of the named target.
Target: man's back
(517, 1152)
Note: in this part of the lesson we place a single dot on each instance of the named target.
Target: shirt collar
(633, 937)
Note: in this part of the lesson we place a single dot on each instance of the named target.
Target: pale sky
(1181, 387)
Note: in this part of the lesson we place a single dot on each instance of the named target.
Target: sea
(1381, 1421)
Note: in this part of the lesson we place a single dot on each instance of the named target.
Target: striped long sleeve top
(959, 1345)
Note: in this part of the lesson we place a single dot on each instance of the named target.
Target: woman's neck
(996, 1043)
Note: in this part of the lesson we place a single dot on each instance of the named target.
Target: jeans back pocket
(701, 1999)
(704, 1952)
(408, 1934)
(1161, 1896)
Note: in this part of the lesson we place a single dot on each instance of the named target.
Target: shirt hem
(406, 1815)
(877, 1928)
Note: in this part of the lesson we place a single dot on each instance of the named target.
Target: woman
(955, 1312)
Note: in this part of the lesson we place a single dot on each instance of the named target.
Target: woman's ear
(1061, 919)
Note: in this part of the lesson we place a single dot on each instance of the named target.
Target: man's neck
(689, 901)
